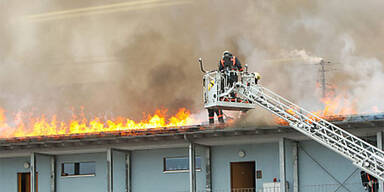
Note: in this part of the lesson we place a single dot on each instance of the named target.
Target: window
(177, 164)
(78, 169)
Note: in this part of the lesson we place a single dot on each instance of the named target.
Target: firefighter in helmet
(211, 112)
(229, 63)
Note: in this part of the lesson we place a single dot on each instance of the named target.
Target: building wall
(43, 168)
(266, 157)
(147, 171)
(326, 167)
(9, 167)
(289, 164)
(320, 169)
(97, 183)
(119, 173)
(313, 174)
(8, 173)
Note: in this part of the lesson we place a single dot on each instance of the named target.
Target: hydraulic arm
(246, 94)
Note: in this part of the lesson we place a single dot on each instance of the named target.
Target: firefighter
(211, 112)
(257, 77)
(370, 183)
(228, 63)
(211, 115)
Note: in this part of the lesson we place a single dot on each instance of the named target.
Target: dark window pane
(79, 168)
(87, 168)
(179, 163)
(68, 169)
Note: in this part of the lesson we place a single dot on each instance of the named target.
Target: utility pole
(322, 78)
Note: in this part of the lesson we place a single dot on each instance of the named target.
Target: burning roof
(369, 123)
(26, 127)
(41, 126)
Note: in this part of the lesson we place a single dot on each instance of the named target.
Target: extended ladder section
(362, 154)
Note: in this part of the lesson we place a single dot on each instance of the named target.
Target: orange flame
(336, 107)
(41, 126)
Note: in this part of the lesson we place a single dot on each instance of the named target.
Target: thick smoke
(130, 57)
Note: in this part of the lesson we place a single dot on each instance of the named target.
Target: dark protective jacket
(231, 63)
(369, 182)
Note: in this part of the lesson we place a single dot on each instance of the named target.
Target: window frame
(74, 164)
(180, 170)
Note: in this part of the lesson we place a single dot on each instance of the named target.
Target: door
(243, 177)
(24, 182)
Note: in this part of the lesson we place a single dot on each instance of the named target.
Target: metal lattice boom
(364, 155)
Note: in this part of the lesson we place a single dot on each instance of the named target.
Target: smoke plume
(130, 57)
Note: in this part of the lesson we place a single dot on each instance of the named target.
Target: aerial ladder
(246, 94)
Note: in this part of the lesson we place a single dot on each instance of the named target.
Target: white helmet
(227, 53)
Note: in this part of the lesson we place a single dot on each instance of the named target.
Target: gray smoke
(130, 57)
